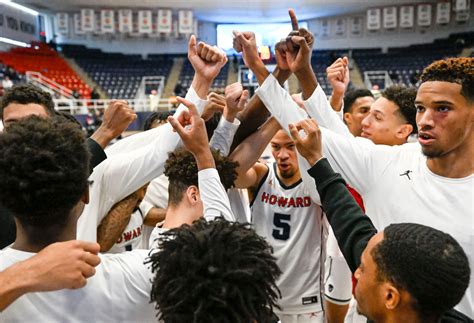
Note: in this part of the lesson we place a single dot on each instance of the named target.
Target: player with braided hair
(215, 271)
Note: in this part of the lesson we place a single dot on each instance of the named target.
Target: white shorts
(338, 280)
(316, 317)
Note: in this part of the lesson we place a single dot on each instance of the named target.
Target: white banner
(62, 23)
(186, 25)
(78, 24)
(373, 19)
(356, 25)
(443, 13)
(165, 21)
(125, 20)
(324, 28)
(407, 14)
(87, 17)
(340, 27)
(390, 17)
(424, 15)
(461, 5)
(107, 21)
(144, 22)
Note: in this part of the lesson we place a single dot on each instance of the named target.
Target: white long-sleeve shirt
(394, 181)
(132, 162)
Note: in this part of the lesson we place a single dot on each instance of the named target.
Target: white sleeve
(143, 138)
(359, 161)
(213, 195)
(319, 109)
(224, 135)
(120, 175)
(286, 111)
(145, 207)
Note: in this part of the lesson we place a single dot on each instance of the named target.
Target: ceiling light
(19, 7)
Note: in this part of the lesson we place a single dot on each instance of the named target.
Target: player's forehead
(281, 138)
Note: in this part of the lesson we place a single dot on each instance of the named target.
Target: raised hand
(191, 128)
(236, 99)
(338, 75)
(246, 43)
(298, 56)
(206, 60)
(309, 145)
(117, 117)
(216, 103)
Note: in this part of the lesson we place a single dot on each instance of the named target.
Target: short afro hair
(214, 272)
(43, 172)
(404, 98)
(25, 94)
(459, 70)
(352, 95)
(428, 263)
(181, 169)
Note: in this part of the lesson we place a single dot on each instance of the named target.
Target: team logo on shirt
(129, 235)
(407, 174)
(282, 201)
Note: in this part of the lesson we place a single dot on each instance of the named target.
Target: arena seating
(118, 74)
(40, 58)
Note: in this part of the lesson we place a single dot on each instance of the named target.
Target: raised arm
(235, 101)
(194, 137)
(249, 172)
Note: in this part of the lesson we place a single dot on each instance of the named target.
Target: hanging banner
(88, 21)
(356, 25)
(144, 22)
(324, 28)
(340, 27)
(125, 20)
(461, 5)
(107, 21)
(62, 23)
(390, 17)
(186, 25)
(424, 15)
(407, 14)
(165, 21)
(373, 19)
(443, 13)
(78, 24)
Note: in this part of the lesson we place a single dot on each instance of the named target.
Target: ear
(192, 194)
(404, 131)
(392, 296)
(347, 118)
(85, 196)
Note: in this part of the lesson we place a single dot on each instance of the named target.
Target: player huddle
(349, 195)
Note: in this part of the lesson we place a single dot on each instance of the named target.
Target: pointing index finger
(294, 20)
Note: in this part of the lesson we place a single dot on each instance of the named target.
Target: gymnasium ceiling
(252, 11)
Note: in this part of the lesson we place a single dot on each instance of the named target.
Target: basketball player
(385, 175)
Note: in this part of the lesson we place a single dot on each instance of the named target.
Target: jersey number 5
(282, 226)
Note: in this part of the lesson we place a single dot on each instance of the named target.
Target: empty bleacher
(119, 75)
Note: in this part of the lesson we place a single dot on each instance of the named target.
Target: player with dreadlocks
(212, 272)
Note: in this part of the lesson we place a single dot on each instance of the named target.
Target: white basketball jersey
(296, 229)
(131, 237)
